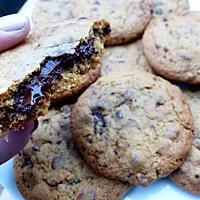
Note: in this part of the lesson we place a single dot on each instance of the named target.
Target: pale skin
(13, 30)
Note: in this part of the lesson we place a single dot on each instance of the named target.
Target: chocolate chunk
(35, 87)
(157, 46)
(99, 121)
(165, 19)
(34, 149)
(64, 126)
(158, 11)
(97, 2)
(27, 162)
(70, 144)
(87, 193)
(119, 114)
(58, 162)
(73, 181)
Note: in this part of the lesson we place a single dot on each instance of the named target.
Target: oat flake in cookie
(50, 167)
(188, 175)
(54, 64)
(171, 45)
(136, 128)
(124, 58)
(128, 18)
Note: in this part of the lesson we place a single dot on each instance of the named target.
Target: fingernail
(13, 22)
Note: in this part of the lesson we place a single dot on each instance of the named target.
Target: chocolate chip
(64, 126)
(119, 115)
(66, 109)
(81, 18)
(73, 181)
(97, 2)
(27, 162)
(184, 57)
(107, 29)
(70, 144)
(166, 50)
(46, 121)
(58, 162)
(157, 46)
(165, 19)
(131, 174)
(34, 149)
(87, 193)
(197, 176)
(160, 100)
(158, 11)
(99, 121)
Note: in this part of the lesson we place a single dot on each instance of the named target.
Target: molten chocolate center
(33, 89)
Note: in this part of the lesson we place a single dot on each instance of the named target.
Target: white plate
(163, 189)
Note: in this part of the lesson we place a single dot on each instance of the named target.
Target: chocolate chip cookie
(188, 175)
(163, 7)
(124, 58)
(53, 64)
(50, 166)
(128, 18)
(136, 127)
(171, 45)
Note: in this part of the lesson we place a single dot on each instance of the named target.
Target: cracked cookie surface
(124, 58)
(188, 175)
(171, 45)
(135, 128)
(128, 18)
(50, 166)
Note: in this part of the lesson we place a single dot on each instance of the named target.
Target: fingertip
(13, 30)
(27, 27)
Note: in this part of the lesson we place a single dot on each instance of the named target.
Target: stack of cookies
(134, 125)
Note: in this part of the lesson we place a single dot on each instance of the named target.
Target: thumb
(13, 30)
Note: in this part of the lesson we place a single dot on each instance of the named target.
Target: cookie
(171, 47)
(136, 128)
(55, 11)
(163, 7)
(50, 167)
(128, 18)
(124, 58)
(188, 175)
(55, 63)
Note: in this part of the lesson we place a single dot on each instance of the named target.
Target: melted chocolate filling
(33, 89)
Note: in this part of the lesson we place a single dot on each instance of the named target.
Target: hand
(13, 30)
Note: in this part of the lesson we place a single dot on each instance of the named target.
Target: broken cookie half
(54, 63)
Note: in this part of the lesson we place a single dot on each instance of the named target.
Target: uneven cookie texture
(124, 58)
(55, 63)
(128, 18)
(171, 45)
(136, 128)
(50, 166)
(188, 175)
(164, 7)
